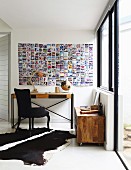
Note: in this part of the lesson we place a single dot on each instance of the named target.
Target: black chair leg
(19, 120)
(32, 123)
(30, 126)
(48, 121)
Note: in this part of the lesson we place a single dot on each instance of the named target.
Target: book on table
(84, 108)
(87, 110)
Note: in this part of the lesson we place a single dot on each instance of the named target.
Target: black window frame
(113, 52)
(99, 54)
(112, 71)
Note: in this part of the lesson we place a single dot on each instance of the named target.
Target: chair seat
(37, 112)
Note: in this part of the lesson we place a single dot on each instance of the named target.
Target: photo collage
(58, 62)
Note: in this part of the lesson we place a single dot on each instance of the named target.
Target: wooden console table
(89, 127)
(64, 96)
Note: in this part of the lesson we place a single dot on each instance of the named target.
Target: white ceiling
(52, 14)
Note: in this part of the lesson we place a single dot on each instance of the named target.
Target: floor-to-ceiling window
(118, 71)
(125, 73)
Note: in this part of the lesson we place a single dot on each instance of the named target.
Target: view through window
(105, 52)
(125, 73)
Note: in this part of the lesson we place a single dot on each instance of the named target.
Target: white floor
(73, 157)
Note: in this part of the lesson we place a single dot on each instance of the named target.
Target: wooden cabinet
(89, 127)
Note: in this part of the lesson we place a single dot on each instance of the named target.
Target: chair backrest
(23, 101)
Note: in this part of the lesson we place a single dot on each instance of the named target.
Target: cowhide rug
(30, 150)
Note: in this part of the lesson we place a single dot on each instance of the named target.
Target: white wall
(4, 77)
(42, 36)
(107, 99)
(4, 27)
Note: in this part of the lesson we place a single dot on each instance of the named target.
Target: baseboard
(44, 120)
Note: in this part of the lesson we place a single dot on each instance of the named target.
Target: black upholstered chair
(25, 110)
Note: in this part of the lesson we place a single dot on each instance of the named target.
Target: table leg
(72, 109)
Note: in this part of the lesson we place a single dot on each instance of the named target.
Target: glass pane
(105, 52)
(125, 79)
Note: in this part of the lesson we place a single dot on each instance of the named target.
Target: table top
(48, 95)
